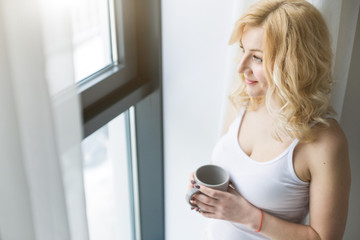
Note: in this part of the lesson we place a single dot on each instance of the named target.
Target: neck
(275, 104)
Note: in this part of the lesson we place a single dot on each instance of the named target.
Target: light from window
(107, 180)
(91, 37)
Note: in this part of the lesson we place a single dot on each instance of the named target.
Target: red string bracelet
(261, 221)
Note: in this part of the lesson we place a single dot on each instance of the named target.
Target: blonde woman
(286, 156)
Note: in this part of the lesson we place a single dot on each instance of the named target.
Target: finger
(208, 214)
(195, 196)
(205, 199)
(192, 178)
(191, 185)
(191, 181)
(216, 194)
(205, 207)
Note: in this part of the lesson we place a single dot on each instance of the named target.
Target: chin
(255, 94)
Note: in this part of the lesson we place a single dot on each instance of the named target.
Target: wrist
(261, 221)
(255, 219)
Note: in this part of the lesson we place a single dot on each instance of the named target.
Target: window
(48, 174)
(92, 50)
(108, 180)
(123, 166)
(105, 60)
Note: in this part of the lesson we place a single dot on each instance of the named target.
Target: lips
(250, 82)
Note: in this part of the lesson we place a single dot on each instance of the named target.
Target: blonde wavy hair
(297, 60)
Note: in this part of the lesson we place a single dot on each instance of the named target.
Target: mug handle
(189, 195)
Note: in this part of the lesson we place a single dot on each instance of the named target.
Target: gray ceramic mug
(211, 176)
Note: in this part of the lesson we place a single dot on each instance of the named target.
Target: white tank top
(271, 186)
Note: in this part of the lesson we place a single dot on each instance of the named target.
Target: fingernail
(192, 182)
(192, 208)
(197, 186)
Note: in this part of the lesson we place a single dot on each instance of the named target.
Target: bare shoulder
(332, 138)
(330, 147)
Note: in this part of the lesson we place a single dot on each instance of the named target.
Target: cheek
(260, 76)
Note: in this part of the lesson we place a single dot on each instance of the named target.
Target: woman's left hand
(228, 205)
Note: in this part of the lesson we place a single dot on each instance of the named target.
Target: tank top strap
(236, 122)
(292, 146)
(239, 119)
(241, 112)
(290, 164)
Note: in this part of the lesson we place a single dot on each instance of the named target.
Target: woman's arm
(330, 182)
(329, 193)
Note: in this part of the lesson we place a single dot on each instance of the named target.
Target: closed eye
(257, 59)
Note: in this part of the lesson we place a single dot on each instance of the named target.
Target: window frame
(96, 90)
(135, 80)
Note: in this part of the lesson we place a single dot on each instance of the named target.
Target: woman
(285, 154)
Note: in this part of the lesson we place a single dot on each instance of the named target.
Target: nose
(243, 66)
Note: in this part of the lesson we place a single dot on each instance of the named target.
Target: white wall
(194, 41)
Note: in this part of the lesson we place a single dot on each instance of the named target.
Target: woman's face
(251, 63)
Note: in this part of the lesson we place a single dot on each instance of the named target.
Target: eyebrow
(255, 50)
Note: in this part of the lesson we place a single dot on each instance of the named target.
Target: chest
(270, 185)
(256, 139)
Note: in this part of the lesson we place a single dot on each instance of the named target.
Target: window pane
(91, 37)
(106, 180)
